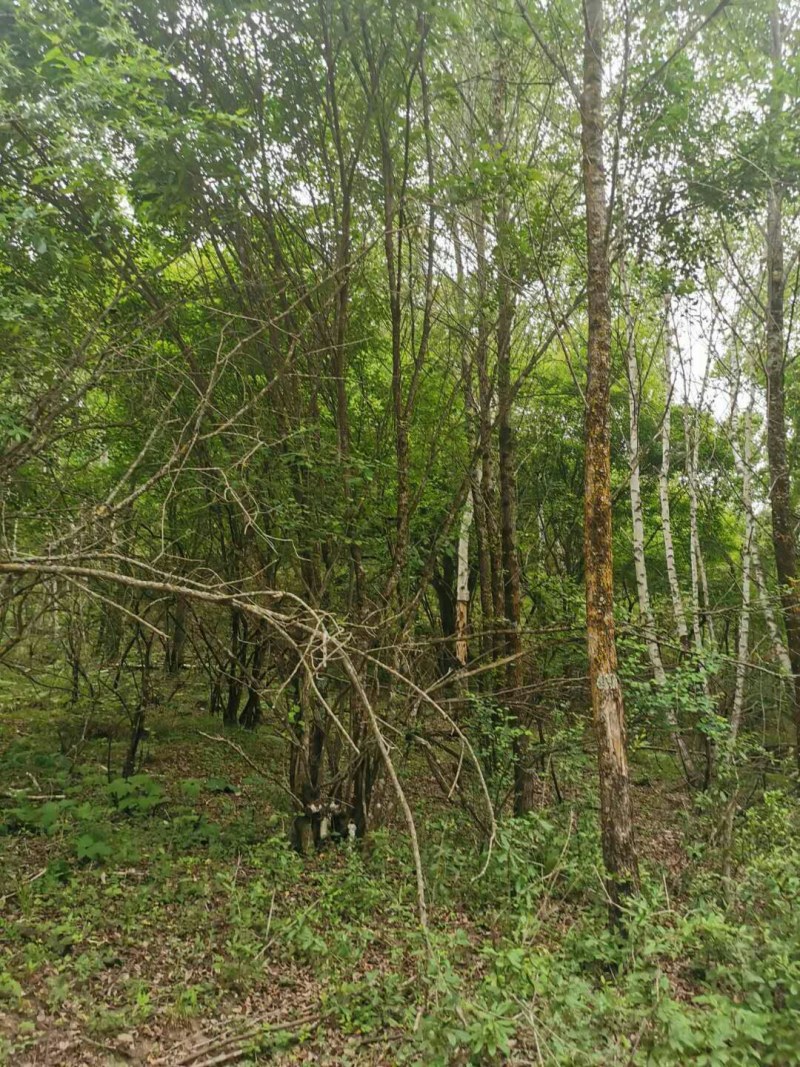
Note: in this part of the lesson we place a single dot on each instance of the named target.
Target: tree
(616, 812)
(783, 531)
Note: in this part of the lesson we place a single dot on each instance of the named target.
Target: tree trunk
(663, 489)
(488, 533)
(691, 433)
(700, 606)
(342, 306)
(444, 584)
(616, 816)
(462, 583)
(230, 716)
(778, 644)
(178, 643)
(743, 463)
(637, 516)
(523, 771)
(308, 747)
(393, 222)
(471, 512)
(251, 713)
(639, 561)
(780, 485)
(708, 613)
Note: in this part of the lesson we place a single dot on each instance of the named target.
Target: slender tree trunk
(637, 516)
(394, 222)
(484, 565)
(701, 601)
(345, 169)
(737, 707)
(462, 583)
(693, 430)
(708, 614)
(508, 496)
(743, 463)
(482, 482)
(783, 537)
(691, 433)
(616, 814)
(764, 600)
(177, 646)
(251, 712)
(639, 561)
(699, 581)
(230, 716)
(401, 452)
(663, 488)
(524, 777)
(778, 644)
(486, 510)
(342, 408)
(470, 512)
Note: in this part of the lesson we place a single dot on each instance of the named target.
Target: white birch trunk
(691, 429)
(663, 487)
(639, 562)
(694, 540)
(704, 587)
(778, 644)
(743, 463)
(462, 580)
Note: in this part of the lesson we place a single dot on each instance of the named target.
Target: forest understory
(164, 919)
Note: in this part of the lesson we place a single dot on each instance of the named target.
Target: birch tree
(743, 462)
(462, 583)
(639, 560)
(663, 485)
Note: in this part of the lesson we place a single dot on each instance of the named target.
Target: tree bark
(743, 463)
(616, 815)
(701, 605)
(663, 489)
(512, 598)
(471, 512)
(178, 644)
(488, 533)
(637, 516)
(462, 583)
(690, 435)
(339, 363)
(783, 538)
(639, 561)
(778, 644)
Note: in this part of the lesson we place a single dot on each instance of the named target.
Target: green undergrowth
(135, 908)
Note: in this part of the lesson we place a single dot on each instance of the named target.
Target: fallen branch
(27, 881)
(20, 794)
(313, 628)
(352, 674)
(217, 1046)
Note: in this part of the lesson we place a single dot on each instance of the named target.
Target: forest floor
(165, 920)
